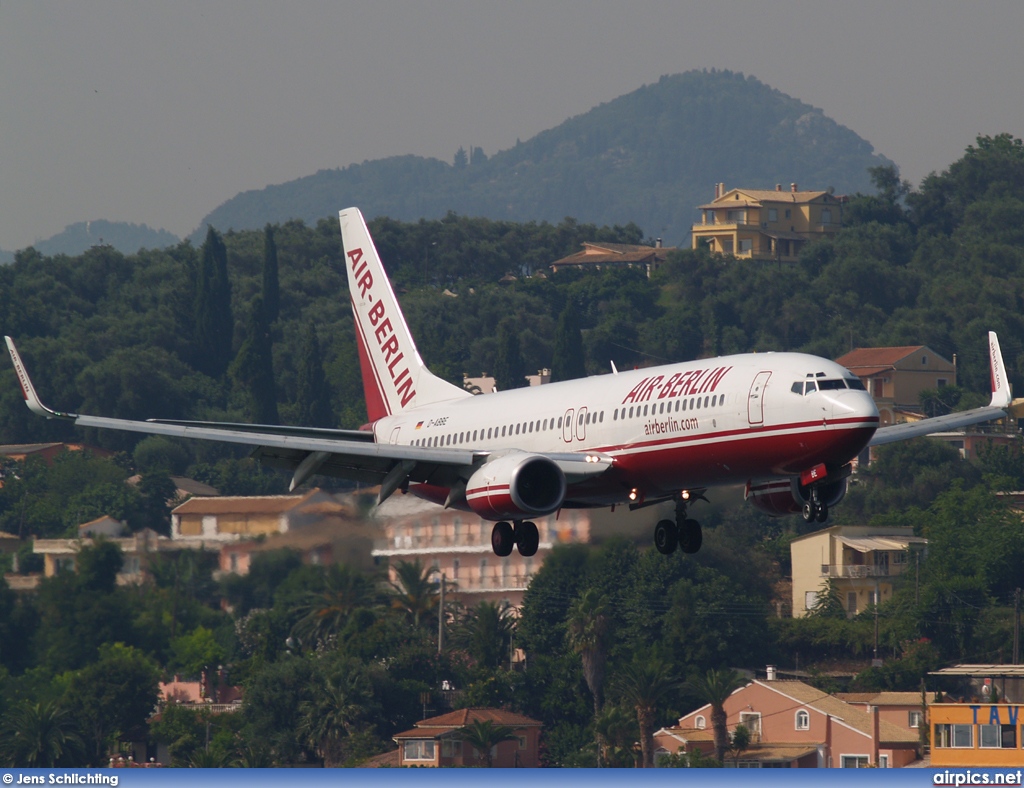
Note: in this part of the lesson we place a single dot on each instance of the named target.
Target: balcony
(860, 570)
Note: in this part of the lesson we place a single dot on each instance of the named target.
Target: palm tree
(415, 591)
(644, 684)
(485, 633)
(714, 688)
(38, 735)
(616, 733)
(325, 613)
(330, 717)
(484, 735)
(588, 635)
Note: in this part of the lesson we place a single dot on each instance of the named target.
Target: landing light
(633, 494)
(685, 495)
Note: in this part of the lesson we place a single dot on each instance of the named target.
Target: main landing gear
(524, 535)
(683, 533)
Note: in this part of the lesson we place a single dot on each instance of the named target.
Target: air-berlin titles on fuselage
(681, 384)
(383, 332)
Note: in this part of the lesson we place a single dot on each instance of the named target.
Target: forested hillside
(648, 157)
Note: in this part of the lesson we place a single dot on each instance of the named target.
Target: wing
(996, 409)
(349, 454)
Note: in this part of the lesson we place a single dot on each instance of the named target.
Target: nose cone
(851, 404)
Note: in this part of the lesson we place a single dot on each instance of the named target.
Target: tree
(325, 613)
(588, 635)
(331, 716)
(39, 734)
(214, 325)
(509, 368)
(484, 736)
(253, 368)
(271, 284)
(415, 593)
(485, 632)
(313, 393)
(714, 688)
(112, 695)
(645, 684)
(568, 361)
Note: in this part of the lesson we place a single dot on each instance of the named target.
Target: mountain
(123, 236)
(650, 156)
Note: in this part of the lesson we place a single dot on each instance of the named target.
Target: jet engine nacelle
(516, 486)
(779, 497)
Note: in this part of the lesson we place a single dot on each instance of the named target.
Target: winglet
(1001, 395)
(28, 391)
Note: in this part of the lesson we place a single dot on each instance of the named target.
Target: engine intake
(515, 486)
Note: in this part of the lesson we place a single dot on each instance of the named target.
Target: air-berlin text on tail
(383, 331)
(680, 384)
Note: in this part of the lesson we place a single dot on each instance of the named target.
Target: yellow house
(231, 518)
(762, 224)
(861, 561)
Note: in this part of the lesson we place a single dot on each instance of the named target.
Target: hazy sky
(157, 112)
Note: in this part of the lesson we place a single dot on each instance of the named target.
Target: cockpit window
(810, 387)
(856, 384)
(797, 388)
(831, 385)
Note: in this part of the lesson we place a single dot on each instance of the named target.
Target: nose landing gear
(815, 509)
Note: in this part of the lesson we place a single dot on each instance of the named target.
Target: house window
(997, 736)
(419, 750)
(803, 720)
(773, 214)
(810, 599)
(522, 742)
(851, 602)
(451, 748)
(826, 216)
(914, 719)
(883, 761)
(853, 761)
(700, 722)
(924, 360)
(941, 383)
(752, 721)
(746, 245)
(737, 216)
(954, 735)
(789, 213)
(455, 569)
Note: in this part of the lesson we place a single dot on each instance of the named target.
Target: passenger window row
(507, 430)
(681, 405)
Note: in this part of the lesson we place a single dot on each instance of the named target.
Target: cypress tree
(271, 284)
(214, 323)
(313, 395)
(509, 367)
(253, 368)
(568, 361)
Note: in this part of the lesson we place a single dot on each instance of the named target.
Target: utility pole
(440, 619)
(1016, 627)
(875, 662)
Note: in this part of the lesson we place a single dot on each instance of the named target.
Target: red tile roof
(884, 357)
(462, 717)
(238, 504)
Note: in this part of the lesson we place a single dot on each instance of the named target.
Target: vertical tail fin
(394, 376)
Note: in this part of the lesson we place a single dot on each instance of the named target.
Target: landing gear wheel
(691, 536)
(502, 539)
(665, 537)
(808, 512)
(822, 514)
(527, 538)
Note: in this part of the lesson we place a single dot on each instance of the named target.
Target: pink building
(794, 725)
(436, 741)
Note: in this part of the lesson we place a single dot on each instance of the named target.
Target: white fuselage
(697, 424)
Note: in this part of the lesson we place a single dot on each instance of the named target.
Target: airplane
(784, 425)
